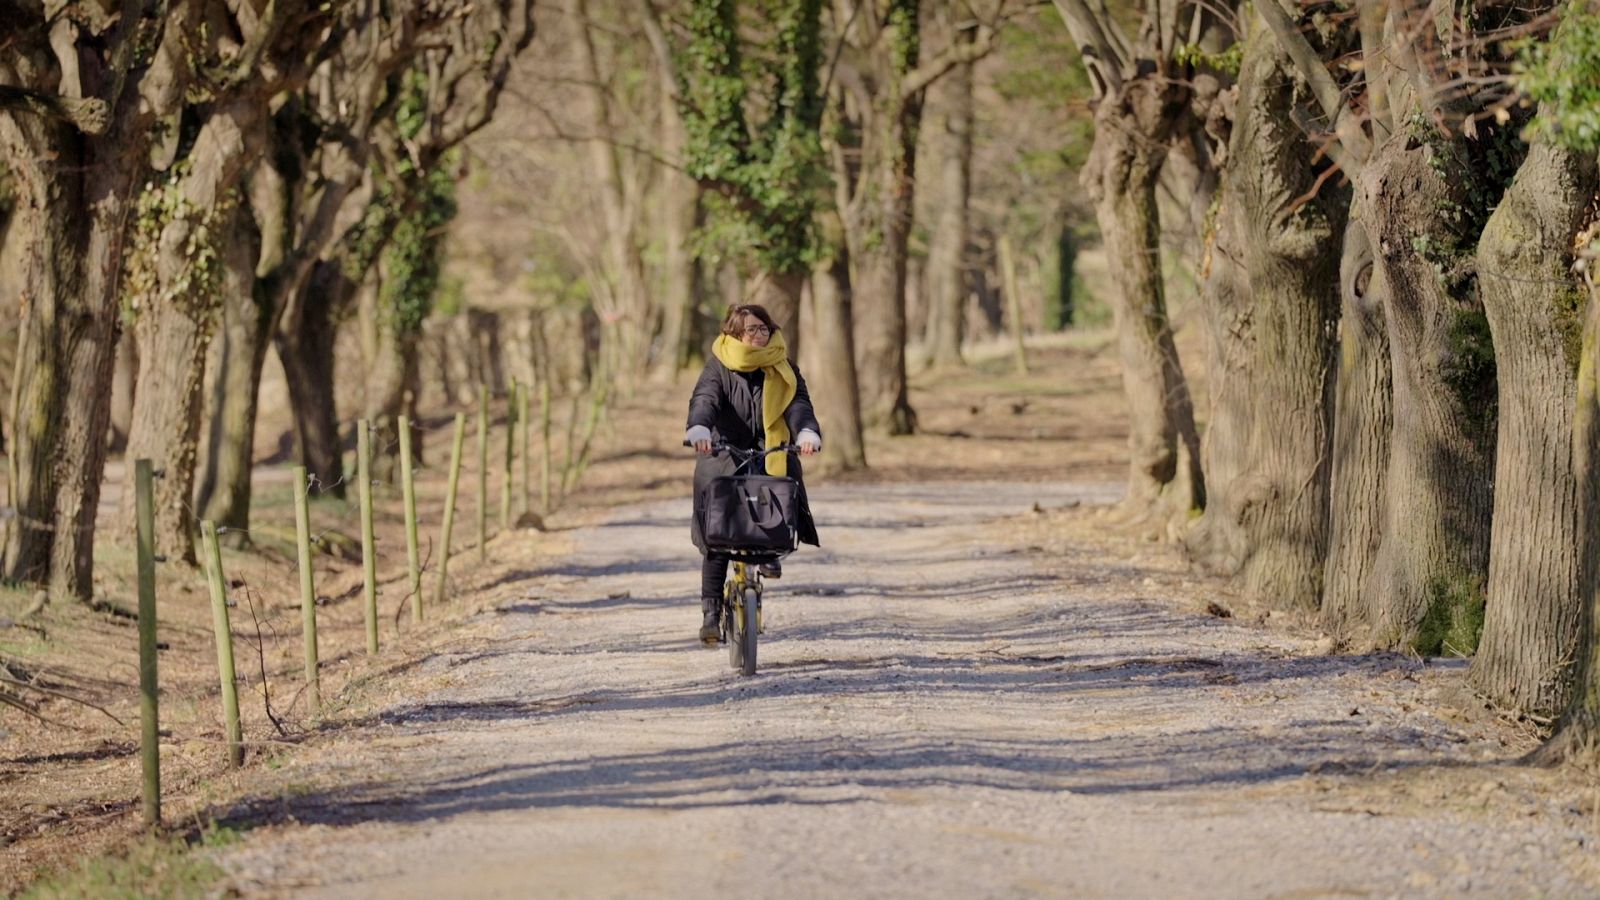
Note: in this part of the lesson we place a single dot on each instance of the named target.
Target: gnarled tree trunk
(1290, 228)
(1216, 543)
(1363, 419)
(1121, 174)
(1530, 629)
(1433, 561)
(1579, 732)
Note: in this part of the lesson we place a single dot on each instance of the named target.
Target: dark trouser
(713, 572)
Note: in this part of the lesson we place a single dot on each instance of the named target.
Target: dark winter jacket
(729, 403)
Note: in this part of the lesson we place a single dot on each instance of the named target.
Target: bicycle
(740, 609)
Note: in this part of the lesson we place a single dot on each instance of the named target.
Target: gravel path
(935, 716)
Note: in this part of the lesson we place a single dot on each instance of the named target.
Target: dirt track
(943, 710)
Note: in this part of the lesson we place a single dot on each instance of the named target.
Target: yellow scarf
(776, 392)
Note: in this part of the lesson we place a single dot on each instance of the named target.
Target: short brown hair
(739, 318)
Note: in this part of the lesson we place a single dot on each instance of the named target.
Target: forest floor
(981, 685)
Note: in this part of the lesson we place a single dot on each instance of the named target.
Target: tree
(762, 182)
(172, 280)
(1139, 102)
(82, 95)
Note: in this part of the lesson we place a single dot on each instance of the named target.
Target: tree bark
(247, 314)
(122, 381)
(1578, 735)
(305, 347)
(1363, 419)
(1433, 561)
(1216, 543)
(1164, 446)
(947, 283)
(829, 364)
(779, 292)
(1291, 255)
(1530, 630)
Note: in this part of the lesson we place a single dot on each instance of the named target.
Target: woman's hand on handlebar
(703, 447)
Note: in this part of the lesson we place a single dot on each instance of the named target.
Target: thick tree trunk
(172, 338)
(779, 292)
(391, 373)
(126, 374)
(305, 346)
(247, 314)
(880, 339)
(947, 288)
(1216, 543)
(49, 216)
(1363, 419)
(1290, 231)
(1163, 445)
(1579, 732)
(1530, 630)
(829, 365)
(1433, 562)
(71, 212)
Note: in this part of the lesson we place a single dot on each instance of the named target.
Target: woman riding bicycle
(750, 396)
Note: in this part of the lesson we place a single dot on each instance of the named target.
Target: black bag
(751, 513)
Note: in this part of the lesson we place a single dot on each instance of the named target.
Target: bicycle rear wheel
(750, 629)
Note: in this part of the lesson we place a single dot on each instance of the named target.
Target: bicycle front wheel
(749, 630)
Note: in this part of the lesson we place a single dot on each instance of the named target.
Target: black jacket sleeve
(800, 416)
(707, 398)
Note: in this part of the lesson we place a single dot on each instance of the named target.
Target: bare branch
(89, 115)
(1323, 87)
(1100, 57)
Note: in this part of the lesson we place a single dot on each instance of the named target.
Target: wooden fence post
(149, 697)
(483, 472)
(308, 590)
(450, 506)
(224, 633)
(408, 487)
(523, 426)
(544, 429)
(507, 482)
(369, 559)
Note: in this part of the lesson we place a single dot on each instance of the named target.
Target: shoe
(710, 627)
(772, 569)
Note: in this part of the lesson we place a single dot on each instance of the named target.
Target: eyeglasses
(753, 330)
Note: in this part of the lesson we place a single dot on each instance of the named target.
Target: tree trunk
(305, 346)
(1216, 543)
(1433, 561)
(50, 217)
(1164, 447)
(1290, 229)
(829, 365)
(1363, 419)
(393, 369)
(1530, 629)
(172, 338)
(1579, 732)
(947, 293)
(247, 314)
(779, 292)
(125, 375)
(879, 328)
